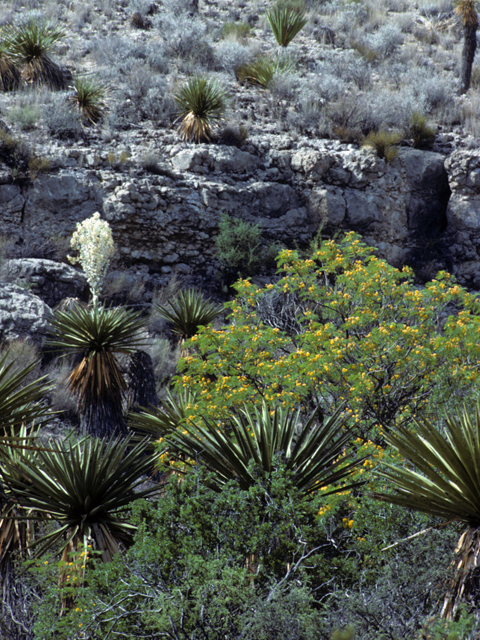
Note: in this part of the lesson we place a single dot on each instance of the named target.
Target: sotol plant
(202, 103)
(384, 142)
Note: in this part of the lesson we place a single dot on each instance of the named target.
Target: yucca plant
(88, 97)
(285, 23)
(314, 451)
(83, 486)
(189, 311)
(20, 405)
(98, 335)
(443, 481)
(261, 70)
(28, 44)
(10, 76)
(202, 103)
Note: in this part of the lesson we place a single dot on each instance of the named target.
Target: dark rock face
(427, 204)
(49, 280)
(419, 209)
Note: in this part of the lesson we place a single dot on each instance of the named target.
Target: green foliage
(28, 45)
(340, 326)
(205, 564)
(81, 485)
(423, 135)
(313, 451)
(88, 97)
(239, 248)
(261, 70)
(202, 102)
(98, 335)
(384, 142)
(188, 312)
(285, 23)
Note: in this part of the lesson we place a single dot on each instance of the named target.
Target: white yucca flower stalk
(94, 242)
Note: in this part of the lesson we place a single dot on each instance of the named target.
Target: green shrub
(423, 135)
(384, 142)
(239, 248)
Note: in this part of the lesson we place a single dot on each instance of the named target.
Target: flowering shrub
(340, 326)
(93, 239)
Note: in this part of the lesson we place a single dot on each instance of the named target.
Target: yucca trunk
(465, 584)
(468, 55)
(103, 419)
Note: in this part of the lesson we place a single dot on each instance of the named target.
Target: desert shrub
(239, 248)
(60, 119)
(322, 85)
(384, 143)
(193, 566)
(384, 42)
(388, 109)
(185, 37)
(231, 55)
(239, 30)
(284, 86)
(422, 134)
(406, 589)
(347, 65)
(369, 330)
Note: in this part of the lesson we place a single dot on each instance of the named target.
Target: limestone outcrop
(420, 209)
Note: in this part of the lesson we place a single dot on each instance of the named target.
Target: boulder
(23, 315)
(49, 280)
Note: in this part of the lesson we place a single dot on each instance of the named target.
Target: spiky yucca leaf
(313, 451)
(28, 45)
(160, 421)
(19, 405)
(285, 24)
(202, 102)
(444, 482)
(189, 311)
(88, 97)
(446, 478)
(82, 485)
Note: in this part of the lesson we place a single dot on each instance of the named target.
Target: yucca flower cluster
(93, 240)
